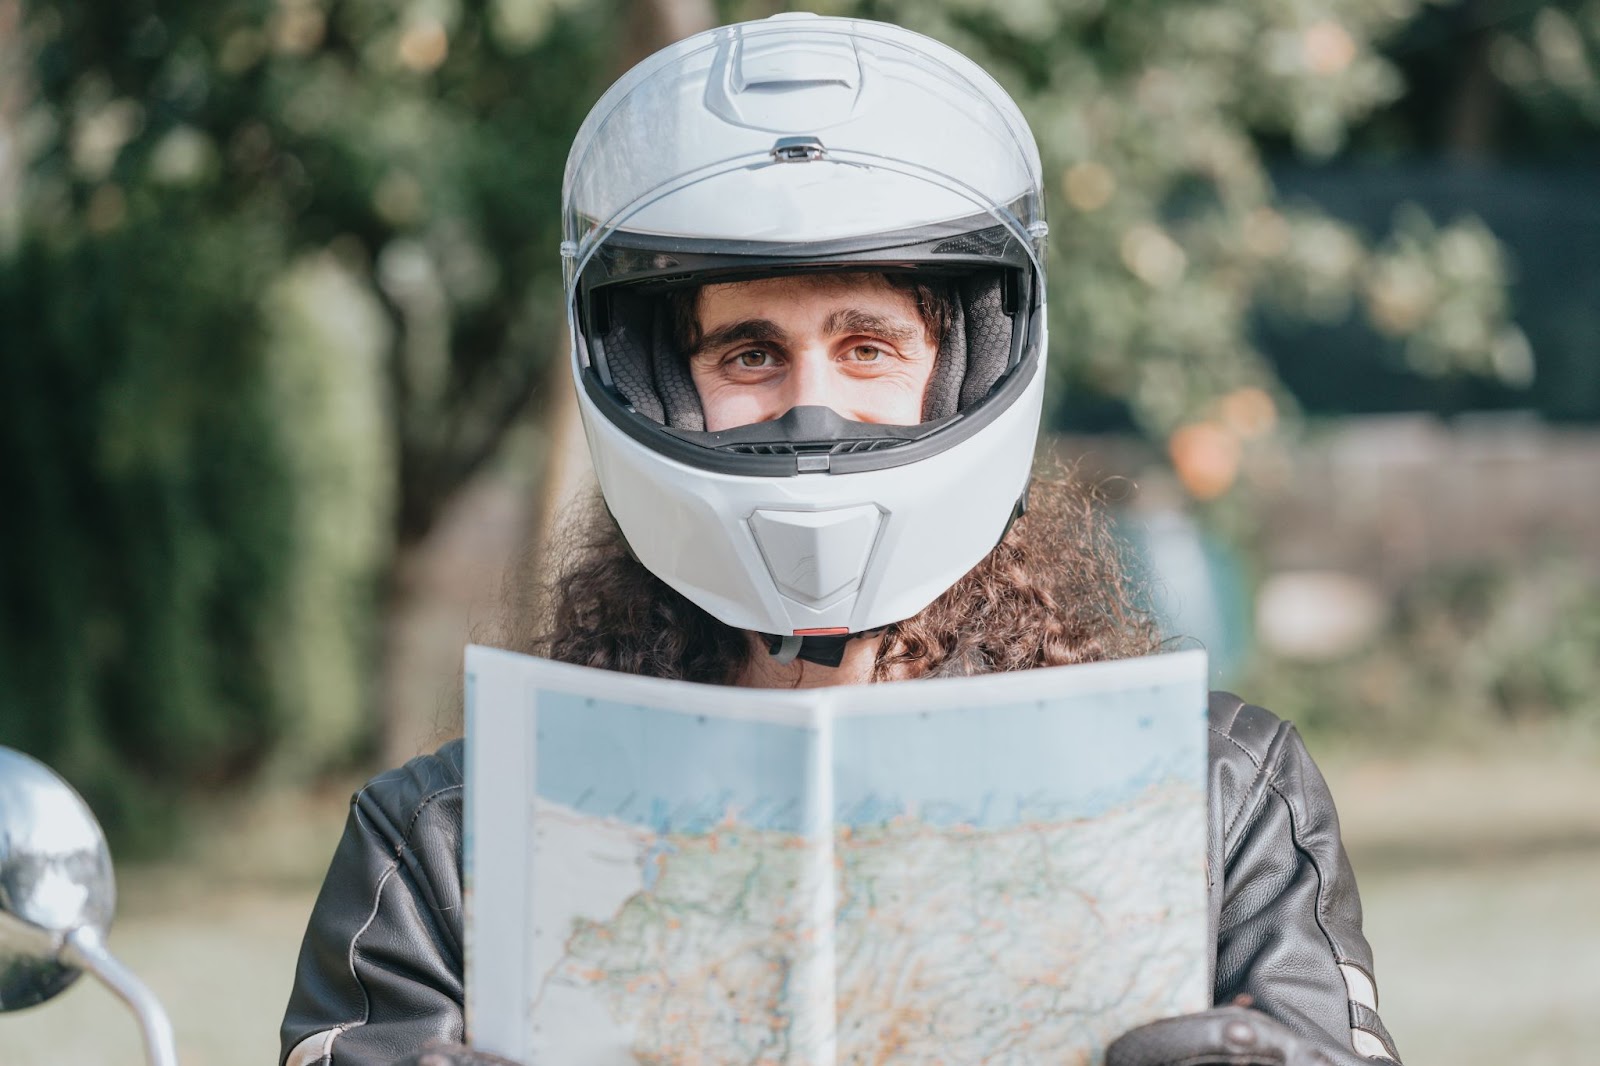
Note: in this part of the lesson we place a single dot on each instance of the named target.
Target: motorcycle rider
(805, 281)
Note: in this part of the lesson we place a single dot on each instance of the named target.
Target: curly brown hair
(1053, 591)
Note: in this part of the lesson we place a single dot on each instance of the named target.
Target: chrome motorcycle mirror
(57, 895)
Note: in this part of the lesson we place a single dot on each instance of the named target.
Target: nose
(812, 382)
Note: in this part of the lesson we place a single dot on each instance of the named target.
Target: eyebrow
(855, 320)
(766, 331)
(745, 331)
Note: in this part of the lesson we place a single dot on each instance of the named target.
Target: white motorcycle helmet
(801, 144)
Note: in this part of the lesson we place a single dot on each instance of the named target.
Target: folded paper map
(999, 869)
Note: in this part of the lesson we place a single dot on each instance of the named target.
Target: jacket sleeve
(380, 967)
(1288, 915)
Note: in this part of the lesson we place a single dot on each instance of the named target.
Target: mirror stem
(84, 949)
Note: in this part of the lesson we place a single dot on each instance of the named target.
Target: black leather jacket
(380, 971)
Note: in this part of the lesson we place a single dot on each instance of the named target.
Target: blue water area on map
(996, 766)
(1072, 757)
(673, 772)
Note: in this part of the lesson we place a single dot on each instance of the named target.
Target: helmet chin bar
(827, 649)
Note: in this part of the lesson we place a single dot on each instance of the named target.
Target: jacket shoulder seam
(393, 783)
(355, 946)
(422, 804)
(1322, 881)
(376, 793)
(1233, 704)
(1254, 793)
(1255, 759)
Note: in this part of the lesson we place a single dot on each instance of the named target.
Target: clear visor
(799, 131)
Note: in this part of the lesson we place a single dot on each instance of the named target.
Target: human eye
(754, 359)
(868, 353)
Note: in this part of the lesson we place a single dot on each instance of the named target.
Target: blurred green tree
(277, 276)
(146, 526)
(1494, 81)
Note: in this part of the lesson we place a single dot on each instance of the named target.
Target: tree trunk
(568, 475)
(14, 69)
(1475, 106)
(436, 582)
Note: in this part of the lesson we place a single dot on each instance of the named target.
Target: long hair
(1053, 591)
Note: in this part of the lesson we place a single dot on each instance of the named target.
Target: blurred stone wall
(1337, 528)
(1388, 497)
(1394, 496)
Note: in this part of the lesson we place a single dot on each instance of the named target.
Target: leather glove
(453, 1055)
(1224, 1036)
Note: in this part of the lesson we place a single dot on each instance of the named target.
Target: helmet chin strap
(826, 649)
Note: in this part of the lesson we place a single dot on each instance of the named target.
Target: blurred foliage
(1494, 80)
(1468, 652)
(148, 511)
(1549, 55)
(420, 144)
(1492, 123)
(326, 336)
(275, 279)
(277, 276)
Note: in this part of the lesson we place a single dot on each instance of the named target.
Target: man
(806, 292)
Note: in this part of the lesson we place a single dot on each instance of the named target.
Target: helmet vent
(798, 150)
(843, 447)
(990, 243)
(621, 261)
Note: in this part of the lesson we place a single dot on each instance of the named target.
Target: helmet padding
(975, 351)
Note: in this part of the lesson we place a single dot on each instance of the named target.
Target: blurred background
(283, 409)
